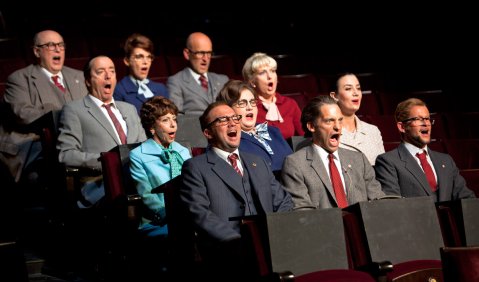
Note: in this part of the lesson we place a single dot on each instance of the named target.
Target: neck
(349, 123)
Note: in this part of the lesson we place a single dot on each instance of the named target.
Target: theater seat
(460, 264)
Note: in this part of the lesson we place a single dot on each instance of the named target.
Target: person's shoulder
(178, 75)
(368, 126)
(25, 71)
(218, 76)
(69, 70)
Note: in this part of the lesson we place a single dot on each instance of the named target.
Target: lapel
(346, 170)
(132, 89)
(225, 172)
(194, 87)
(248, 138)
(439, 167)
(317, 165)
(98, 115)
(72, 84)
(413, 167)
(150, 147)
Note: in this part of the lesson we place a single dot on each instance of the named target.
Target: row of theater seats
(361, 243)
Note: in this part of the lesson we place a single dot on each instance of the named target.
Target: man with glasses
(413, 169)
(30, 93)
(194, 88)
(225, 183)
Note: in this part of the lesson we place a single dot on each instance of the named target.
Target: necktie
(233, 160)
(428, 171)
(117, 124)
(262, 135)
(57, 83)
(174, 159)
(204, 82)
(337, 183)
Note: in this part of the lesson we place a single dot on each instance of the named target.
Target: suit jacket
(149, 172)
(400, 174)
(308, 182)
(280, 147)
(213, 193)
(29, 95)
(126, 90)
(85, 132)
(189, 96)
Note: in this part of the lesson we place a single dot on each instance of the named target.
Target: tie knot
(107, 106)
(233, 157)
(421, 156)
(331, 157)
(55, 78)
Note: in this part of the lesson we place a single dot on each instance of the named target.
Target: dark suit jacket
(29, 95)
(188, 95)
(307, 180)
(212, 191)
(280, 147)
(400, 174)
(127, 91)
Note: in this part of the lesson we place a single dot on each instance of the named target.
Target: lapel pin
(349, 166)
(254, 164)
(77, 81)
(443, 166)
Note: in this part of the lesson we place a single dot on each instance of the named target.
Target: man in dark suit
(215, 191)
(194, 88)
(31, 93)
(307, 174)
(87, 129)
(401, 172)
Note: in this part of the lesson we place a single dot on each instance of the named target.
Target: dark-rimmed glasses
(243, 103)
(201, 54)
(224, 120)
(416, 121)
(52, 46)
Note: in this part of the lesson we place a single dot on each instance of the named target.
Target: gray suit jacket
(400, 174)
(188, 95)
(307, 180)
(213, 193)
(85, 132)
(29, 95)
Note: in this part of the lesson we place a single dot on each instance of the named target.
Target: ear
(207, 133)
(401, 127)
(310, 126)
(126, 61)
(186, 54)
(36, 52)
(333, 95)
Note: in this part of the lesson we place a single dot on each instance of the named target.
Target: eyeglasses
(201, 54)
(419, 121)
(52, 46)
(243, 103)
(224, 120)
(141, 57)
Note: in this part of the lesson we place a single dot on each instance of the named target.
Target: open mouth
(57, 59)
(108, 86)
(232, 133)
(334, 139)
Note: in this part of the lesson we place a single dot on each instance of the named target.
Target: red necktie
(337, 183)
(233, 160)
(204, 82)
(117, 124)
(57, 83)
(428, 171)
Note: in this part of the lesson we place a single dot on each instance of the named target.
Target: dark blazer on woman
(280, 147)
(126, 90)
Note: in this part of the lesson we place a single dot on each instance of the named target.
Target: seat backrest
(116, 171)
(189, 132)
(460, 264)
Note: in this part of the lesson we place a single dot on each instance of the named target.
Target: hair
(231, 91)
(312, 111)
(137, 40)
(335, 86)
(204, 117)
(404, 107)
(152, 109)
(256, 61)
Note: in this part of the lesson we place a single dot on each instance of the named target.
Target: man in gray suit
(215, 191)
(87, 129)
(401, 172)
(194, 88)
(306, 173)
(31, 93)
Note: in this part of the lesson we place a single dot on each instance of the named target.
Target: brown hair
(231, 91)
(403, 108)
(313, 110)
(137, 40)
(204, 117)
(154, 108)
